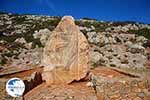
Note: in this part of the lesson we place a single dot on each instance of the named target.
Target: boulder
(136, 48)
(141, 40)
(21, 40)
(34, 80)
(43, 35)
(65, 56)
(95, 56)
(27, 57)
(29, 45)
(123, 38)
(93, 37)
(100, 38)
(137, 60)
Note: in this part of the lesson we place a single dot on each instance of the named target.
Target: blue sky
(107, 10)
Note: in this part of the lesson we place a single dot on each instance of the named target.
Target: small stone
(122, 81)
(125, 90)
(137, 98)
(70, 97)
(141, 85)
(141, 94)
(132, 95)
(147, 93)
(134, 83)
(21, 40)
(136, 89)
(100, 89)
(106, 97)
(89, 84)
(147, 84)
(95, 56)
(19, 98)
(116, 96)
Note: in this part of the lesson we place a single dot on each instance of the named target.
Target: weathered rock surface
(117, 50)
(21, 40)
(115, 88)
(43, 35)
(28, 57)
(33, 81)
(65, 55)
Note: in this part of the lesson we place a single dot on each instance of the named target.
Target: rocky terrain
(119, 57)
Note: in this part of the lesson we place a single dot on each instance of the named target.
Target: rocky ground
(123, 48)
(106, 84)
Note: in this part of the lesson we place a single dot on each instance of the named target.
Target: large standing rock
(65, 54)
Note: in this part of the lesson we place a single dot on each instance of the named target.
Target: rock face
(65, 54)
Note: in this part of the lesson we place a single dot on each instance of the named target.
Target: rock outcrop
(42, 34)
(120, 50)
(65, 54)
(34, 80)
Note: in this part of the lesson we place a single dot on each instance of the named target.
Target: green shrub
(3, 61)
(123, 23)
(10, 39)
(19, 19)
(89, 18)
(99, 26)
(8, 54)
(142, 32)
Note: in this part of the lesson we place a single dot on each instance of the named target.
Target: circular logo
(15, 87)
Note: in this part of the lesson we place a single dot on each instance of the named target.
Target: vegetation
(141, 32)
(99, 26)
(123, 23)
(12, 51)
(2, 61)
(147, 44)
(10, 39)
(33, 26)
(19, 19)
(89, 18)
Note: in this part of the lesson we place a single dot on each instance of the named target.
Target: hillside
(29, 32)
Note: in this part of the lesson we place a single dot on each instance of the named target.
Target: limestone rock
(141, 40)
(21, 40)
(29, 45)
(43, 35)
(135, 48)
(65, 54)
(93, 37)
(30, 56)
(137, 60)
(95, 56)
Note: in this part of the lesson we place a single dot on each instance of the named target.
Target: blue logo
(15, 87)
